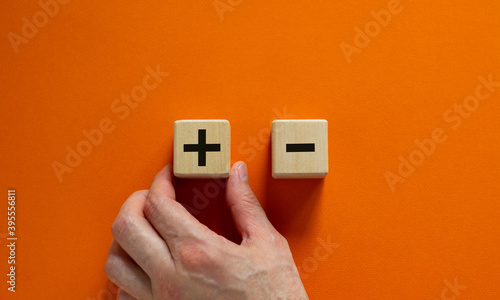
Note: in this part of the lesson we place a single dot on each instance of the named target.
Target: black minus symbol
(307, 147)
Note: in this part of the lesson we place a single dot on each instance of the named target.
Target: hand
(161, 251)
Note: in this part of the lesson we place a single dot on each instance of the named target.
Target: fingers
(170, 219)
(138, 238)
(248, 215)
(163, 182)
(122, 295)
(124, 272)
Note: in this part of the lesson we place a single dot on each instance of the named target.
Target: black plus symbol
(202, 147)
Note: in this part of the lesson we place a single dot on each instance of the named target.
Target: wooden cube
(202, 148)
(300, 148)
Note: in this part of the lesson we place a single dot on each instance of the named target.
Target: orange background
(440, 224)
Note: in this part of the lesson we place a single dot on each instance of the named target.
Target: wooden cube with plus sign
(202, 148)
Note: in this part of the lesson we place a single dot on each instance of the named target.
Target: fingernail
(243, 172)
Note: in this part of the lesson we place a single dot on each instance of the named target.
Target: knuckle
(121, 225)
(110, 267)
(151, 206)
(193, 255)
(282, 241)
(135, 196)
(140, 193)
(278, 240)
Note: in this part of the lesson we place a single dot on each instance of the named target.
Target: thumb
(248, 215)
